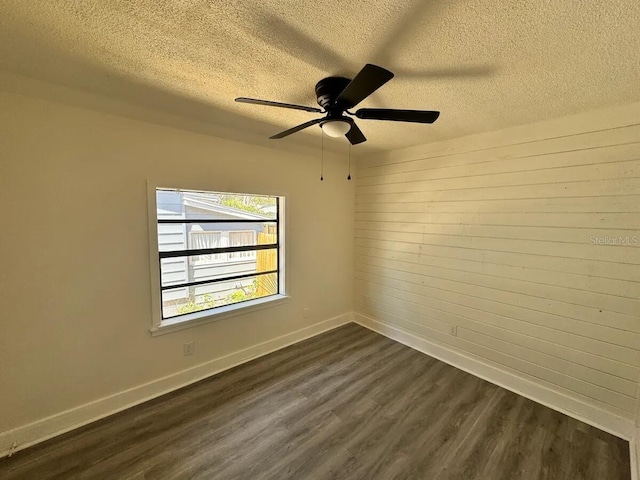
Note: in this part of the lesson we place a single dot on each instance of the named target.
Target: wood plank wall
(493, 234)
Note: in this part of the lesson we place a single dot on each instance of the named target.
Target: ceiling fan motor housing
(328, 89)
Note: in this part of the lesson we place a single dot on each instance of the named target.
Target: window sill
(200, 318)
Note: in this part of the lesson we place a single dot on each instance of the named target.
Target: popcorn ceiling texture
(486, 64)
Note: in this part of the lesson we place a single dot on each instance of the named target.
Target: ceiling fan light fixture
(336, 128)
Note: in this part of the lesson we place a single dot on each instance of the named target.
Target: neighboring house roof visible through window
(202, 205)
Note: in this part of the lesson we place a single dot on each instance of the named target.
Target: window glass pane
(215, 220)
(171, 237)
(188, 236)
(206, 240)
(181, 301)
(175, 204)
(198, 268)
(241, 239)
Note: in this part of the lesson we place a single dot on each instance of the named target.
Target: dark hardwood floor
(349, 404)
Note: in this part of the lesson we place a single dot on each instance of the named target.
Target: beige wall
(491, 233)
(74, 283)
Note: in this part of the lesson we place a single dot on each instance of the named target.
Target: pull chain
(349, 175)
(322, 158)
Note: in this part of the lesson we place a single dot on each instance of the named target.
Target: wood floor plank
(348, 404)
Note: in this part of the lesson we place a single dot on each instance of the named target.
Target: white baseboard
(46, 428)
(590, 414)
(633, 455)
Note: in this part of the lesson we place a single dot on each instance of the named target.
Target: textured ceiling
(485, 64)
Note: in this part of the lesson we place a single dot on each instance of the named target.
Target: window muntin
(216, 249)
(173, 273)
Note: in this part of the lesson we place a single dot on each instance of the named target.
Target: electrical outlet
(188, 348)
(305, 312)
(453, 330)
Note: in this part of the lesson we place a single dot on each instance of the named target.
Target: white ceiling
(485, 64)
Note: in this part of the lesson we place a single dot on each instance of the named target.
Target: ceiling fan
(336, 95)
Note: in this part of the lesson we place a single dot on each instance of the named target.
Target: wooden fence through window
(267, 260)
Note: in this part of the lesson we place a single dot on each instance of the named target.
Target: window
(216, 250)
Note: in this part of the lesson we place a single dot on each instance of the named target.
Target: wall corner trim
(27, 435)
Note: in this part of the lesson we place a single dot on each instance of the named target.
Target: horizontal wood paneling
(620, 288)
(590, 221)
(573, 347)
(561, 235)
(493, 304)
(613, 267)
(579, 376)
(618, 404)
(467, 165)
(413, 181)
(465, 151)
(616, 204)
(577, 298)
(497, 235)
(541, 191)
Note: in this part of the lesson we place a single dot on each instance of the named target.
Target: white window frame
(160, 326)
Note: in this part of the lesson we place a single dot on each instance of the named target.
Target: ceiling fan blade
(367, 81)
(355, 135)
(269, 103)
(297, 129)
(415, 116)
